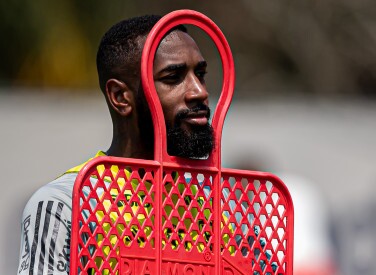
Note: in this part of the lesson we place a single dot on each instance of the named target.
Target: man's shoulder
(58, 190)
(63, 183)
(61, 188)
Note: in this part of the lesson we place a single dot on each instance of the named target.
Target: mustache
(185, 113)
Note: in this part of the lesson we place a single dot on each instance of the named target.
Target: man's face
(179, 77)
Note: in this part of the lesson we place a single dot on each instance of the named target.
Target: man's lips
(197, 118)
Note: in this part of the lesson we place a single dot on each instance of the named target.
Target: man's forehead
(176, 43)
(174, 39)
(174, 35)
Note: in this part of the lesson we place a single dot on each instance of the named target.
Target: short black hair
(119, 52)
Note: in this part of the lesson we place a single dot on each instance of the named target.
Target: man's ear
(120, 96)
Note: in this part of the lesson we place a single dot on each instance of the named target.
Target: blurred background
(304, 109)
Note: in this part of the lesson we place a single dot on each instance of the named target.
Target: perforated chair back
(180, 216)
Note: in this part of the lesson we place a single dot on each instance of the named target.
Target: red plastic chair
(180, 216)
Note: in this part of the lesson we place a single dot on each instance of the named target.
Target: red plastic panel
(257, 223)
(115, 210)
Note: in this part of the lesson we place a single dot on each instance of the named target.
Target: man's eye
(171, 79)
(201, 74)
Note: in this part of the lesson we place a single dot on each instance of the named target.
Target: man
(179, 77)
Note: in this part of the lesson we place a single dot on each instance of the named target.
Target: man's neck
(128, 147)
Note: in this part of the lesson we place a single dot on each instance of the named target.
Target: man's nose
(196, 90)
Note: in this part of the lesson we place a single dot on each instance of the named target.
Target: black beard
(196, 144)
